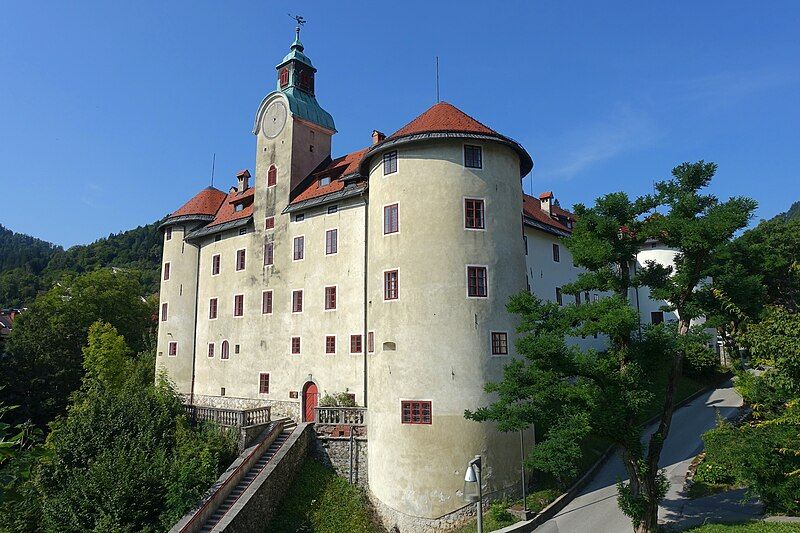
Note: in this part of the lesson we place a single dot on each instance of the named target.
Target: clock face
(273, 120)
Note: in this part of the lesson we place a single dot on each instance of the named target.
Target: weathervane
(300, 21)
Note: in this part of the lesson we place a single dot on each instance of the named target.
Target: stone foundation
(334, 452)
(397, 522)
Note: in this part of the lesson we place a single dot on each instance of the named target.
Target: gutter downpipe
(365, 343)
(194, 334)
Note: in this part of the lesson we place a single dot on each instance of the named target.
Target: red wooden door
(309, 401)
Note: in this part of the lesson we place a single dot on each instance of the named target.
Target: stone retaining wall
(334, 452)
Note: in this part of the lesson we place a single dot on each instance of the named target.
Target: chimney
(377, 136)
(546, 200)
(244, 179)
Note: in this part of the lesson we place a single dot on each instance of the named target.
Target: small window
(263, 383)
(173, 349)
(236, 348)
(237, 208)
(164, 312)
(499, 343)
(299, 217)
(324, 182)
(225, 353)
(272, 176)
(389, 163)
(269, 254)
(295, 345)
(284, 77)
(242, 231)
(240, 256)
(556, 253)
(355, 343)
(333, 209)
(414, 412)
(238, 305)
(215, 265)
(525, 242)
(222, 391)
(370, 341)
(211, 349)
(269, 223)
(656, 317)
(391, 223)
(166, 271)
(218, 237)
(477, 285)
(473, 157)
(559, 297)
(595, 297)
(168, 234)
(391, 285)
(473, 213)
(330, 344)
(297, 301)
(299, 245)
(212, 308)
(331, 241)
(266, 302)
(330, 298)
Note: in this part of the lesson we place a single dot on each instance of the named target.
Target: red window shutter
(272, 176)
(297, 301)
(269, 223)
(370, 341)
(330, 298)
(295, 345)
(263, 383)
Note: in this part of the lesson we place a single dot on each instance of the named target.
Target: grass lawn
(749, 527)
(320, 501)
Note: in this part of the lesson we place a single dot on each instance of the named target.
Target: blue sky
(110, 111)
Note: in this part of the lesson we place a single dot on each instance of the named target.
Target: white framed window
(240, 259)
(474, 214)
(391, 285)
(215, 264)
(266, 302)
(498, 341)
(473, 156)
(330, 298)
(332, 241)
(166, 271)
(297, 301)
(330, 344)
(389, 162)
(477, 281)
(298, 248)
(391, 218)
(238, 305)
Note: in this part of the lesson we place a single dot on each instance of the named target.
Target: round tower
(177, 311)
(445, 254)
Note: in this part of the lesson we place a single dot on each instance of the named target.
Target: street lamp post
(473, 488)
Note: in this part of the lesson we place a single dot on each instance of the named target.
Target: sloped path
(596, 510)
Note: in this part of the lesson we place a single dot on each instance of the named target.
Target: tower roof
(206, 202)
(443, 117)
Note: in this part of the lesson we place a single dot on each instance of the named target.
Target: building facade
(383, 274)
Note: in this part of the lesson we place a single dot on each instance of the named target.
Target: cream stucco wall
(441, 337)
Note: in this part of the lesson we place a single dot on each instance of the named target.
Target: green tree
(125, 458)
(611, 391)
(43, 362)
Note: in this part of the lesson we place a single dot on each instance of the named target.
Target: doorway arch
(310, 399)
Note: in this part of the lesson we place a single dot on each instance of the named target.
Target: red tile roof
(227, 212)
(337, 170)
(440, 118)
(206, 202)
(532, 208)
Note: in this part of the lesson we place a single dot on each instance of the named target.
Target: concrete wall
(433, 343)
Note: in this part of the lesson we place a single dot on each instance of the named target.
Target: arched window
(272, 176)
(224, 354)
(284, 77)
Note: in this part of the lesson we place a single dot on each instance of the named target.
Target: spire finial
(300, 22)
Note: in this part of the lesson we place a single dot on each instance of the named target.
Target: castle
(383, 274)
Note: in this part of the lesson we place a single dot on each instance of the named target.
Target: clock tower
(293, 132)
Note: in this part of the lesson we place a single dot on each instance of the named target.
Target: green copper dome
(296, 53)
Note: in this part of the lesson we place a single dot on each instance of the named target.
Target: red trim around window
(215, 264)
(266, 302)
(415, 412)
(330, 298)
(269, 223)
(212, 308)
(391, 285)
(330, 344)
(295, 345)
(355, 344)
(263, 383)
(173, 349)
(238, 305)
(272, 176)
(477, 281)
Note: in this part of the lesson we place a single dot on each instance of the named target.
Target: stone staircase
(288, 428)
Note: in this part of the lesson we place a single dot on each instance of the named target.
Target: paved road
(595, 509)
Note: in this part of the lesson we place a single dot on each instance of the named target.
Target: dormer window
(284, 77)
(238, 207)
(324, 181)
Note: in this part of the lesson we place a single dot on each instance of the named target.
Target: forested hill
(18, 250)
(29, 265)
(792, 214)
